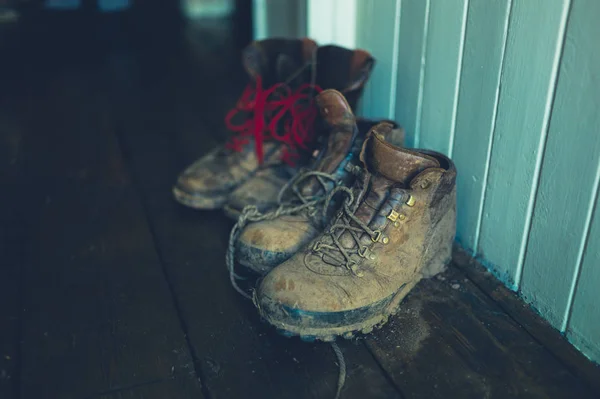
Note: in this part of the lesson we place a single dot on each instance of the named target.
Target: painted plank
(332, 22)
(380, 93)
(584, 325)
(568, 179)
(482, 61)
(577, 92)
(528, 78)
(259, 19)
(411, 54)
(282, 18)
(447, 23)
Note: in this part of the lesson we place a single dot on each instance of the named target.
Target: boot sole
(252, 267)
(349, 331)
(231, 213)
(438, 255)
(197, 201)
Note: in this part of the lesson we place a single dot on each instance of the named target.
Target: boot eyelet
(355, 271)
(376, 236)
(393, 215)
(396, 224)
(385, 240)
(363, 252)
(402, 217)
(411, 201)
(372, 256)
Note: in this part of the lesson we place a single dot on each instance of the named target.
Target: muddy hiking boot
(395, 226)
(301, 215)
(278, 69)
(338, 68)
(277, 135)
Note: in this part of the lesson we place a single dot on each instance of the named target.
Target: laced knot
(345, 222)
(277, 113)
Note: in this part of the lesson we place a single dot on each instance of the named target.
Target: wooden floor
(109, 289)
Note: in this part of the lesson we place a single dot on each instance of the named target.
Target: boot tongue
(389, 166)
(394, 163)
(340, 126)
(278, 60)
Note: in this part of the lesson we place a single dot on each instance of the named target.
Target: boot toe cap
(264, 245)
(261, 190)
(301, 302)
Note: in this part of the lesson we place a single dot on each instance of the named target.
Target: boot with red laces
(337, 68)
(282, 75)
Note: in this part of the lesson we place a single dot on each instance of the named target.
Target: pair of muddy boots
(274, 123)
(352, 236)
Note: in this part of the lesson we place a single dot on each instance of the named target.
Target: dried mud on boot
(395, 227)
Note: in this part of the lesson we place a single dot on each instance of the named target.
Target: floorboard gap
(388, 377)
(184, 327)
(125, 388)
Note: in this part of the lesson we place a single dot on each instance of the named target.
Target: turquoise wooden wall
(509, 89)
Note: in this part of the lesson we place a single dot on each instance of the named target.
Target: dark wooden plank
(525, 316)
(451, 341)
(12, 236)
(239, 356)
(98, 314)
(171, 389)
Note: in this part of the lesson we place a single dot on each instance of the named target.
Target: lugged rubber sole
(231, 213)
(437, 256)
(329, 334)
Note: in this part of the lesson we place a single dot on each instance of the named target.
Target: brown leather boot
(338, 68)
(208, 182)
(265, 244)
(396, 226)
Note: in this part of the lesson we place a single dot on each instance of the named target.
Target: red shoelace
(268, 107)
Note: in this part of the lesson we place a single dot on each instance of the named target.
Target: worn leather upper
(321, 280)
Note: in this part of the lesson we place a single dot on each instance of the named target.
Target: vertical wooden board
(413, 21)
(482, 61)
(527, 83)
(321, 13)
(568, 179)
(380, 92)
(282, 18)
(444, 53)
(584, 326)
(332, 21)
